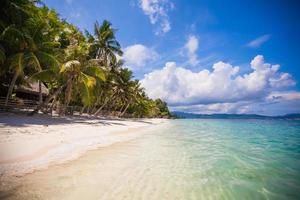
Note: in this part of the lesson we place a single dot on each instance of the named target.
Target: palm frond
(87, 83)
(11, 33)
(45, 75)
(87, 80)
(72, 65)
(34, 61)
(48, 60)
(89, 36)
(97, 72)
(17, 63)
(51, 44)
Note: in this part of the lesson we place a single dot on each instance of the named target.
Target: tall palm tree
(124, 85)
(104, 46)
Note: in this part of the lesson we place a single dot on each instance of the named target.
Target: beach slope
(31, 143)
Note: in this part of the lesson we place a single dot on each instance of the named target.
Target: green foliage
(46, 75)
(78, 69)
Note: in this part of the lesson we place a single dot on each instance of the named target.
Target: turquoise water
(181, 159)
(235, 159)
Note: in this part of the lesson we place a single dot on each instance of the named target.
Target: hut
(31, 91)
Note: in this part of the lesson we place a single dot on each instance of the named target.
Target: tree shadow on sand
(21, 119)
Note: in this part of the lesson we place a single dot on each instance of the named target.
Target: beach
(32, 143)
(178, 159)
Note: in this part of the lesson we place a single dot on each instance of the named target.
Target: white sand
(31, 143)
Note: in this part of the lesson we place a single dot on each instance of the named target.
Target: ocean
(183, 159)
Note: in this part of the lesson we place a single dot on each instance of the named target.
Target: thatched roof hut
(33, 88)
(28, 90)
(31, 91)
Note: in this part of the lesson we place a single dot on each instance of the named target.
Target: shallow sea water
(181, 159)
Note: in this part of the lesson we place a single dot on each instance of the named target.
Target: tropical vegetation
(80, 69)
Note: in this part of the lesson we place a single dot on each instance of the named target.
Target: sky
(205, 56)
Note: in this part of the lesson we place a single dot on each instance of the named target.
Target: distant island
(186, 115)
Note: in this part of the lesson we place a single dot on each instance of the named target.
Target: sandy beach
(31, 143)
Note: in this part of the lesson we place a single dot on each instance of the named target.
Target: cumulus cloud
(222, 88)
(191, 47)
(157, 12)
(258, 41)
(138, 55)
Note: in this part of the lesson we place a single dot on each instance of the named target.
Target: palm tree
(104, 44)
(74, 80)
(78, 76)
(15, 12)
(109, 90)
(31, 50)
(34, 42)
(124, 85)
(133, 95)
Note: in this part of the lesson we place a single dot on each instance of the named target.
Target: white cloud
(209, 108)
(165, 27)
(138, 55)
(157, 12)
(278, 107)
(283, 80)
(290, 95)
(191, 47)
(258, 41)
(221, 89)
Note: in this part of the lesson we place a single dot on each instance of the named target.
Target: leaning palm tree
(124, 85)
(74, 79)
(77, 82)
(133, 95)
(109, 88)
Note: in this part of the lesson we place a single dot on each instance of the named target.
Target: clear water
(182, 159)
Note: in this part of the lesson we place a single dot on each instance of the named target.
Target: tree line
(78, 68)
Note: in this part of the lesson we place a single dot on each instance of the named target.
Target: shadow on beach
(22, 119)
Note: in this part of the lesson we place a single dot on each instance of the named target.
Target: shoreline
(34, 143)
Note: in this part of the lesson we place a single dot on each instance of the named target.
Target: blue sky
(172, 46)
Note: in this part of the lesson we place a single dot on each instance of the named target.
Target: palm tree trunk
(120, 111)
(98, 54)
(68, 94)
(46, 102)
(99, 110)
(112, 106)
(52, 105)
(81, 111)
(40, 92)
(95, 103)
(93, 109)
(11, 87)
(104, 104)
(88, 110)
(125, 109)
